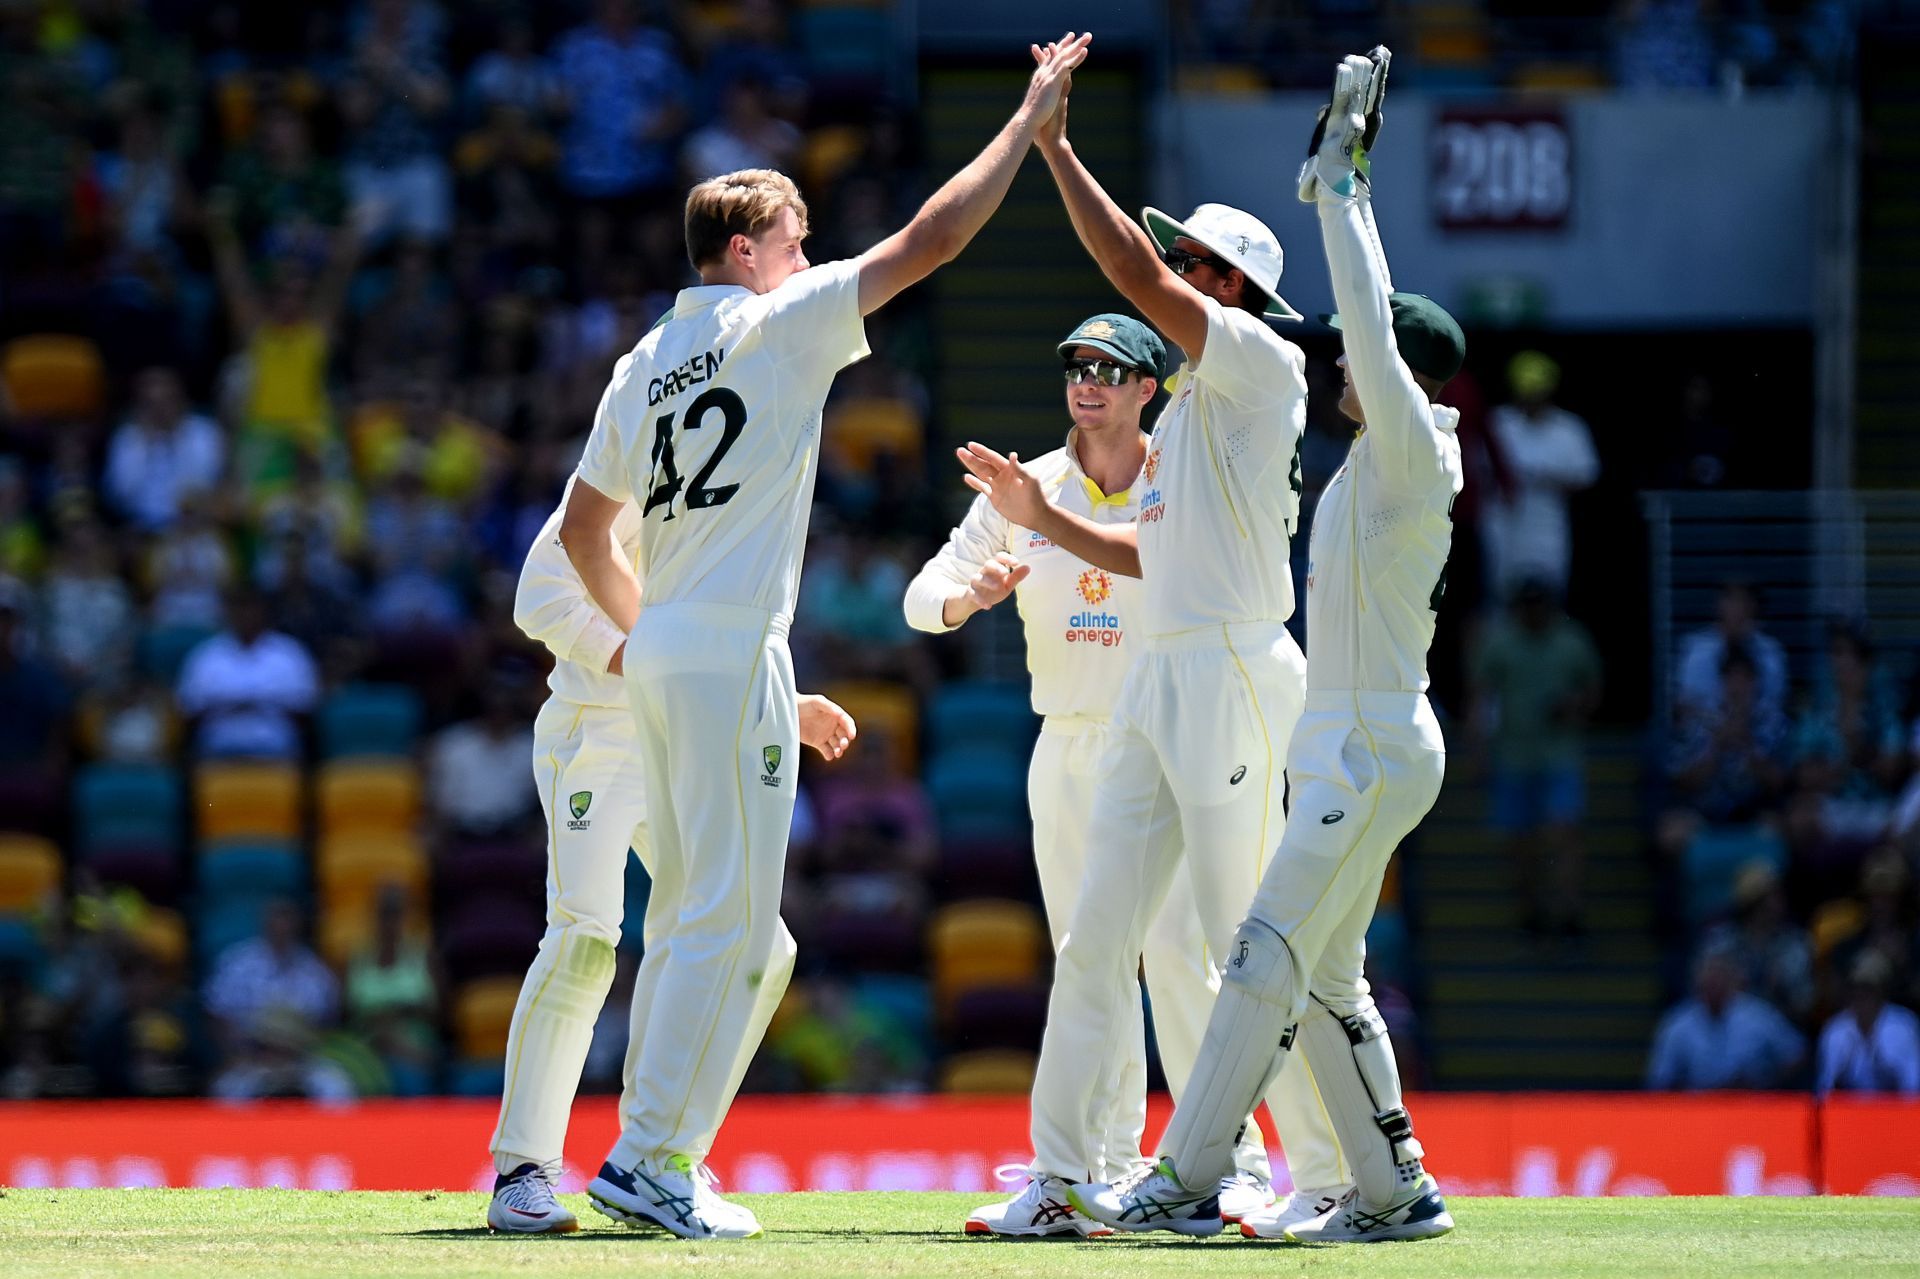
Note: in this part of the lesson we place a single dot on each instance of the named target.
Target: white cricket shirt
(711, 426)
(1377, 558)
(1221, 491)
(1076, 617)
(551, 607)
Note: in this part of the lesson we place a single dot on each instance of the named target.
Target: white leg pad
(1249, 1030)
(547, 1042)
(1352, 1061)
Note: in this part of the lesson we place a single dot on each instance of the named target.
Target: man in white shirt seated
(248, 690)
(163, 454)
(1871, 1045)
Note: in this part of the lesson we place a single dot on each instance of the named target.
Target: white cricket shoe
(1296, 1209)
(523, 1203)
(678, 1196)
(1242, 1194)
(1041, 1211)
(1421, 1215)
(1150, 1198)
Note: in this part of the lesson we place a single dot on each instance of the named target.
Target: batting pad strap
(1352, 1062)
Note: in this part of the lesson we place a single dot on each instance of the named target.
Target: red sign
(1478, 1144)
(1501, 168)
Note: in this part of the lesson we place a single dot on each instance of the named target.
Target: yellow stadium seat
(353, 869)
(161, 935)
(29, 872)
(989, 1070)
(985, 942)
(1224, 78)
(247, 801)
(890, 708)
(858, 429)
(344, 930)
(830, 151)
(53, 375)
(363, 796)
(482, 1012)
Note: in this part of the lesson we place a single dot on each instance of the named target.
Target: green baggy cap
(1124, 338)
(1429, 339)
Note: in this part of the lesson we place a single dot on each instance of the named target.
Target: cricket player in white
(711, 427)
(594, 797)
(1077, 619)
(1366, 761)
(1202, 723)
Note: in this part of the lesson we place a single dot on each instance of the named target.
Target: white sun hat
(1237, 237)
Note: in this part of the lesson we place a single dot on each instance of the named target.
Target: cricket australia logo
(578, 803)
(770, 756)
(1098, 329)
(1095, 586)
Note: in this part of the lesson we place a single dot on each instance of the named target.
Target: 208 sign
(1501, 169)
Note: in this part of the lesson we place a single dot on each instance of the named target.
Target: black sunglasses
(1179, 261)
(1105, 372)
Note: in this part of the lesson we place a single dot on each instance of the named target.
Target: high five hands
(1052, 75)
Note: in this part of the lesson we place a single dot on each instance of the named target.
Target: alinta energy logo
(1095, 626)
(1153, 466)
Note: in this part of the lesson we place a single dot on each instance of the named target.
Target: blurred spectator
(146, 193)
(22, 548)
(285, 194)
(477, 779)
(136, 723)
(189, 569)
(418, 547)
(90, 616)
(454, 457)
(1699, 680)
(1549, 455)
(1848, 752)
(626, 91)
(1537, 681)
(1879, 918)
(1871, 1045)
(1772, 953)
(1728, 764)
(826, 1037)
(34, 704)
(852, 591)
(1702, 447)
(247, 691)
(513, 74)
(163, 454)
(392, 998)
(270, 995)
(1723, 1037)
(393, 99)
(1663, 44)
(747, 135)
(410, 321)
(876, 844)
(754, 47)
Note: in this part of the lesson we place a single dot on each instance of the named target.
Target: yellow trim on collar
(1100, 499)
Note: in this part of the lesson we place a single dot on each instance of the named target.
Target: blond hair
(742, 203)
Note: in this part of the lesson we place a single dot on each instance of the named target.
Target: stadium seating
(859, 429)
(368, 797)
(991, 1070)
(163, 649)
(231, 918)
(153, 870)
(353, 869)
(53, 376)
(985, 942)
(246, 800)
(262, 867)
(482, 1013)
(968, 713)
(957, 781)
(1713, 859)
(118, 804)
(29, 872)
(882, 705)
(999, 1017)
(491, 936)
(988, 865)
(370, 719)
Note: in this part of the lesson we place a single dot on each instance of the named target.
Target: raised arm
(954, 214)
(230, 265)
(551, 607)
(1017, 494)
(1399, 413)
(1120, 247)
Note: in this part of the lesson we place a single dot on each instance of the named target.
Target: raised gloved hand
(1347, 126)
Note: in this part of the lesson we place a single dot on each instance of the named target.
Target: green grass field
(156, 1234)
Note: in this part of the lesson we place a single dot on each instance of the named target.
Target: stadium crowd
(306, 313)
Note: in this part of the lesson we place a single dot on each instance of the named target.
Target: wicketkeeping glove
(1347, 126)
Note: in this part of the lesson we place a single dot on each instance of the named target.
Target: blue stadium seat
(231, 918)
(960, 780)
(469, 1078)
(370, 719)
(972, 713)
(163, 650)
(20, 948)
(1388, 944)
(126, 804)
(249, 868)
(1714, 859)
(908, 1000)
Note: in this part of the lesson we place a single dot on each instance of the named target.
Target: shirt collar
(702, 296)
(1095, 497)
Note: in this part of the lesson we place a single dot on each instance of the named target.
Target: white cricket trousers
(718, 733)
(1198, 741)
(1366, 768)
(1180, 974)
(583, 757)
